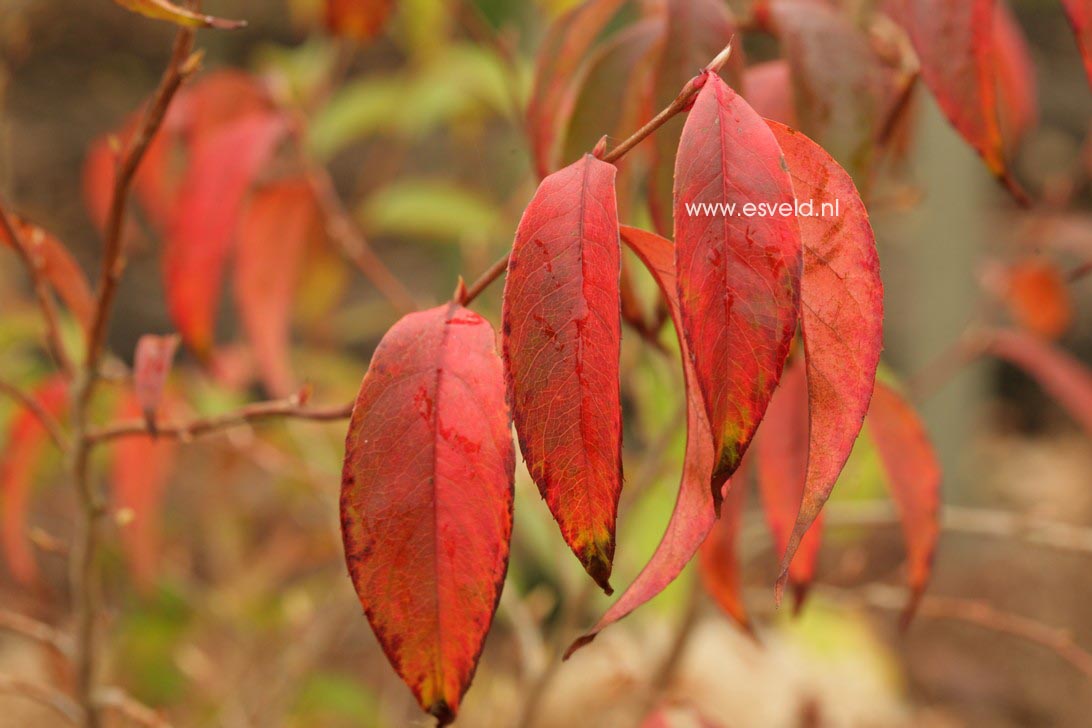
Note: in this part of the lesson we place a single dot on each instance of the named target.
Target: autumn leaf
(151, 365)
(1035, 292)
(139, 473)
(562, 53)
(1079, 13)
(913, 474)
(221, 169)
(768, 89)
(738, 277)
(782, 449)
(358, 20)
(562, 341)
(693, 516)
(718, 560)
(163, 10)
(23, 447)
(841, 318)
(426, 498)
(1064, 378)
(1017, 102)
(277, 224)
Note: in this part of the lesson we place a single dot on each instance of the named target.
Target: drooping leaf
(151, 365)
(782, 446)
(694, 515)
(841, 309)
(139, 472)
(719, 561)
(222, 167)
(1017, 105)
(23, 446)
(163, 10)
(562, 53)
(695, 31)
(1079, 13)
(57, 267)
(768, 89)
(562, 341)
(1037, 297)
(358, 20)
(913, 474)
(277, 224)
(738, 276)
(426, 498)
(1064, 378)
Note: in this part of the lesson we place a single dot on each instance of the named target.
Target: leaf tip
(581, 641)
(442, 712)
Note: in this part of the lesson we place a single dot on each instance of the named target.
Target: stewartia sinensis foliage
(777, 317)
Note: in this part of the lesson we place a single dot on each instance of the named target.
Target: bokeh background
(252, 621)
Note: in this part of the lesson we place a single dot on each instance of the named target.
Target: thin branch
(289, 408)
(34, 630)
(465, 295)
(112, 698)
(41, 292)
(45, 696)
(48, 422)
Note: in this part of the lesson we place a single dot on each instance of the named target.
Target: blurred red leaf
(562, 53)
(841, 305)
(562, 342)
(782, 449)
(139, 473)
(719, 563)
(151, 365)
(163, 10)
(57, 267)
(738, 277)
(1037, 297)
(277, 224)
(1018, 106)
(22, 450)
(1079, 13)
(913, 474)
(426, 498)
(768, 89)
(1064, 378)
(359, 20)
(694, 515)
(222, 168)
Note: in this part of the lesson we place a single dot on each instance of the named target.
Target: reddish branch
(46, 420)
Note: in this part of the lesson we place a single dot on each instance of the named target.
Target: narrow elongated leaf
(1017, 105)
(151, 365)
(841, 312)
(222, 167)
(163, 10)
(139, 473)
(1065, 379)
(768, 89)
(26, 439)
(913, 475)
(359, 20)
(563, 52)
(719, 560)
(738, 276)
(782, 447)
(426, 498)
(562, 341)
(277, 224)
(1079, 13)
(694, 515)
(57, 266)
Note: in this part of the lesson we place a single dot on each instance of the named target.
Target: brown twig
(466, 294)
(34, 630)
(112, 698)
(46, 696)
(47, 421)
(41, 292)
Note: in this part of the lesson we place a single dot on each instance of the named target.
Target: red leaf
(141, 468)
(1079, 13)
(914, 477)
(1018, 109)
(1064, 378)
(57, 267)
(738, 277)
(151, 365)
(768, 89)
(695, 32)
(359, 20)
(955, 42)
(693, 516)
(22, 451)
(718, 560)
(277, 224)
(562, 341)
(222, 167)
(552, 97)
(782, 447)
(841, 317)
(1038, 298)
(426, 498)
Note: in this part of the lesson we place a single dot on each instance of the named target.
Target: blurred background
(249, 618)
